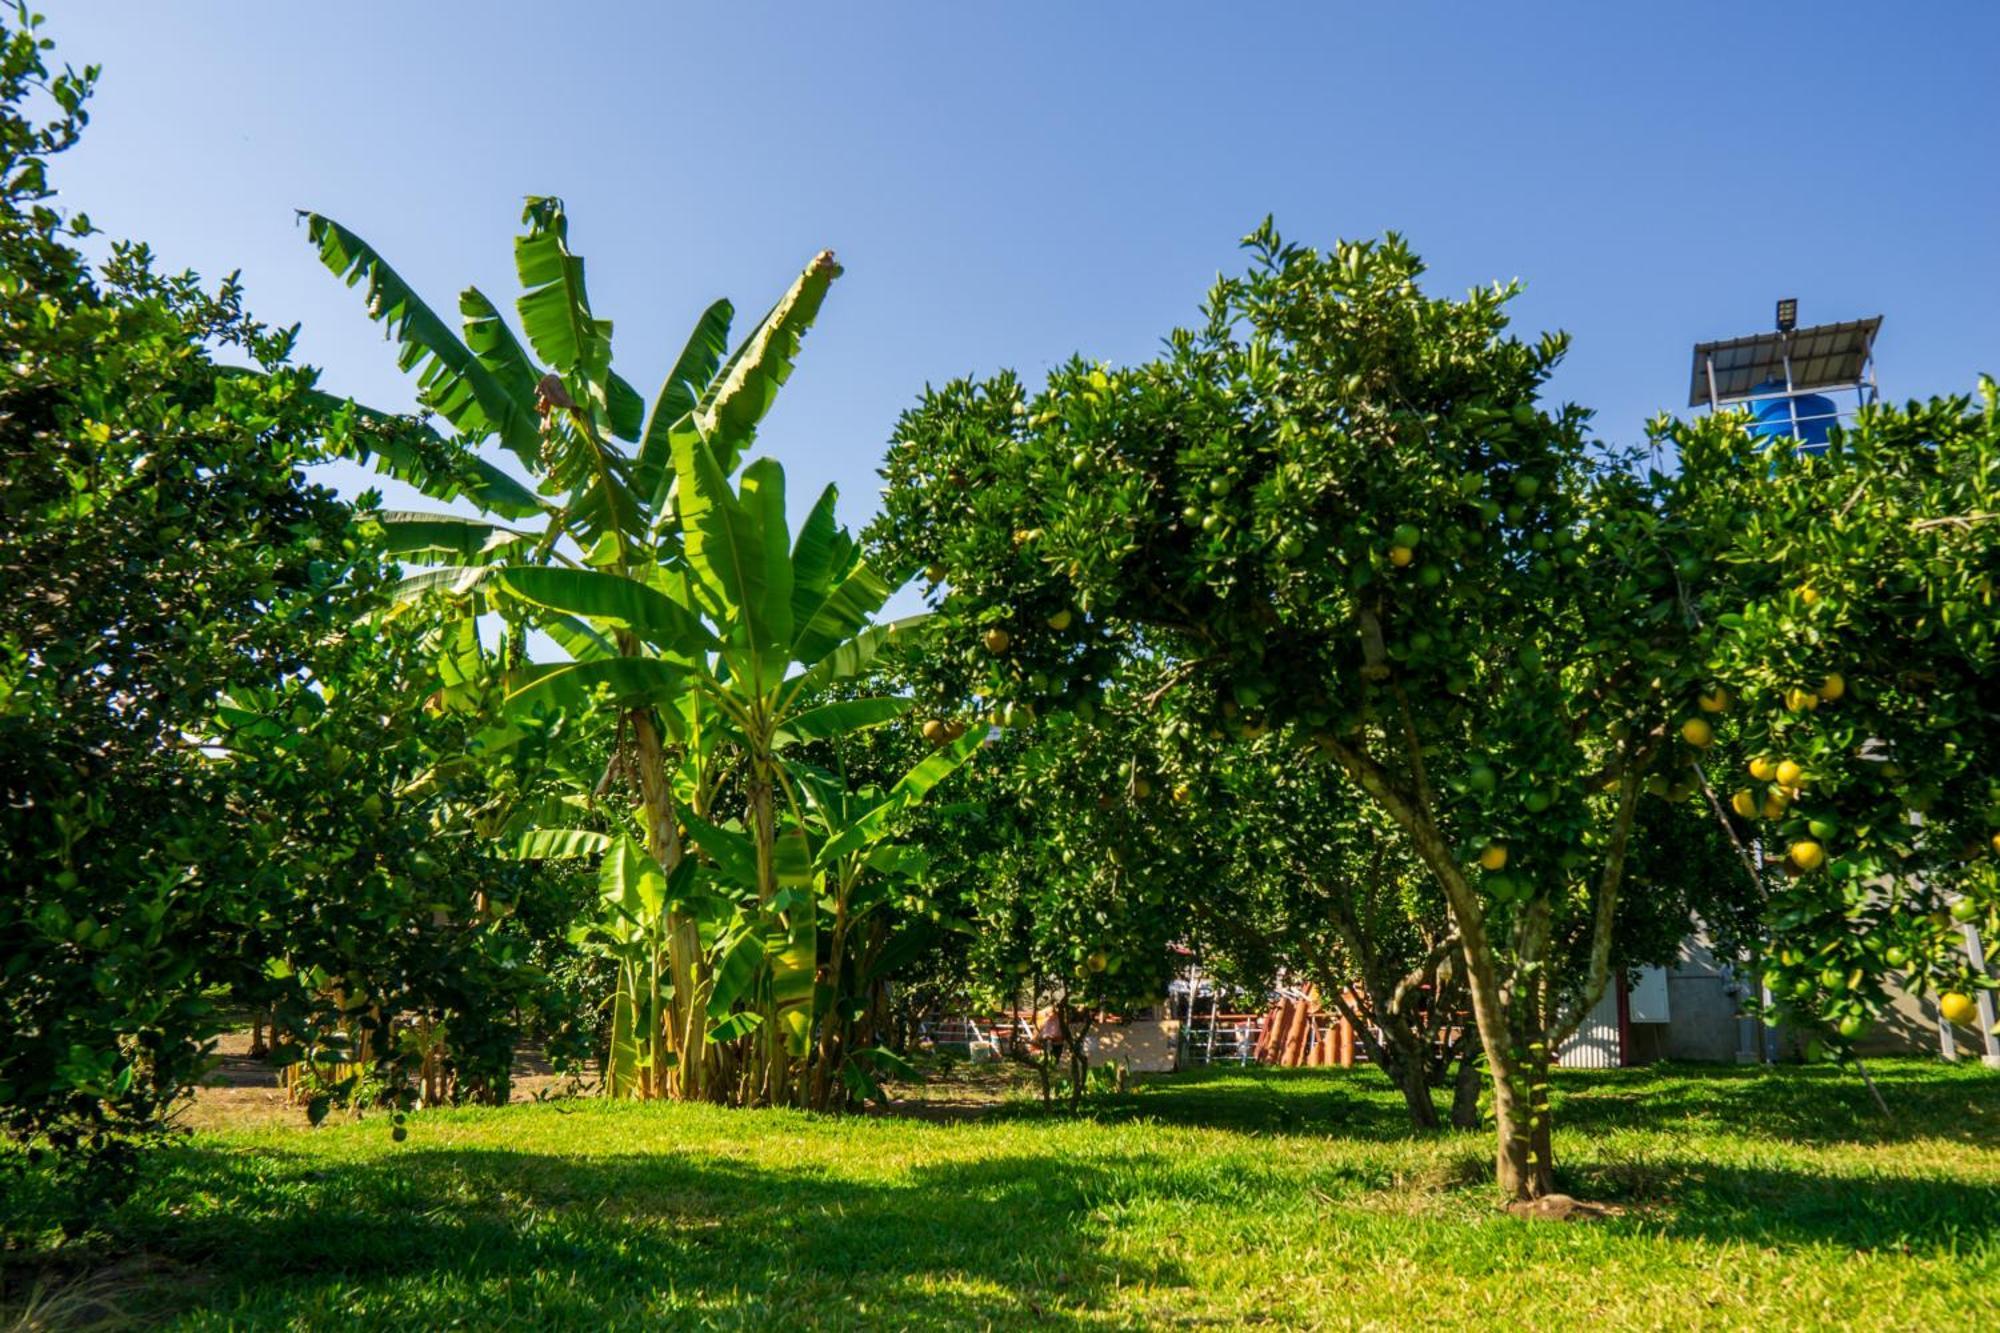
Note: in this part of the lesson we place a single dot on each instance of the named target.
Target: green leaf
(452, 580)
(631, 883)
(579, 640)
(487, 334)
(792, 861)
(847, 660)
(621, 1072)
(451, 380)
(469, 539)
(614, 598)
(555, 307)
(911, 788)
(692, 371)
(736, 962)
(723, 543)
(844, 717)
(624, 409)
(885, 1060)
(819, 558)
(734, 1026)
(763, 495)
(411, 451)
(844, 612)
(629, 681)
(859, 1083)
(732, 851)
(561, 844)
(746, 387)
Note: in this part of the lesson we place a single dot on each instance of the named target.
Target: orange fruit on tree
(1807, 854)
(1801, 701)
(1744, 803)
(1832, 687)
(1494, 857)
(1400, 556)
(1763, 768)
(1957, 1007)
(1696, 732)
(997, 639)
(1789, 773)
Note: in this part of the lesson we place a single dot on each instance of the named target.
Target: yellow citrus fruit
(1996, 842)
(1809, 595)
(1494, 857)
(1957, 1007)
(1400, 556)
(997, 640)
(1715, 701)
(1775, 804)
(1697, 733)
(1832, 687)
(1744, 803)
(1788, 773)
(1142, 788)
(1801, 701)
(936, 732)
(935, 573)
(1097, 961)
(1060, 620)
(1763, 768)
(1807, 854)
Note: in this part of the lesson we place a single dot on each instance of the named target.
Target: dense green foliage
(1850, 627)
(1752, 1199)
(220, 783)
(156, 549)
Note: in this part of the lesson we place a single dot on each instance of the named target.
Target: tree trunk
(1519, 1177)
(1414, 1079)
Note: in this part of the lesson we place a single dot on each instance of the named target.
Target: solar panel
(1822, 357)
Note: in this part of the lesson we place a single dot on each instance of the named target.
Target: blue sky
(1007, 184)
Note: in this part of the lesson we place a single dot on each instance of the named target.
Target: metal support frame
(1984, 998)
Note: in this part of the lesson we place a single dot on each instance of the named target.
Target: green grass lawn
(1289, 1198)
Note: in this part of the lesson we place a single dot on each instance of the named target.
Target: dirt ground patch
(245, 1090)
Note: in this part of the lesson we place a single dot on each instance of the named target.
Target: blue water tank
(1773, 416)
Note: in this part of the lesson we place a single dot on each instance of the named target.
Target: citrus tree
(196, 811)
(1851, 636)
(1340, 506)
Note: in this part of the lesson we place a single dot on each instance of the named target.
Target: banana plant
(607, 540)
(858, 866)
(781, 621)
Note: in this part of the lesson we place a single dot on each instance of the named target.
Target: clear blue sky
(1008, 183)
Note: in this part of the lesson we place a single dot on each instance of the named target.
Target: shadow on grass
(1821, 1104)
(498, 1238)
(1818, 1104)
(1356, 1103)
(1733, 1205)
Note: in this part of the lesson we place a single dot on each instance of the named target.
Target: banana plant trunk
(691, 1077)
